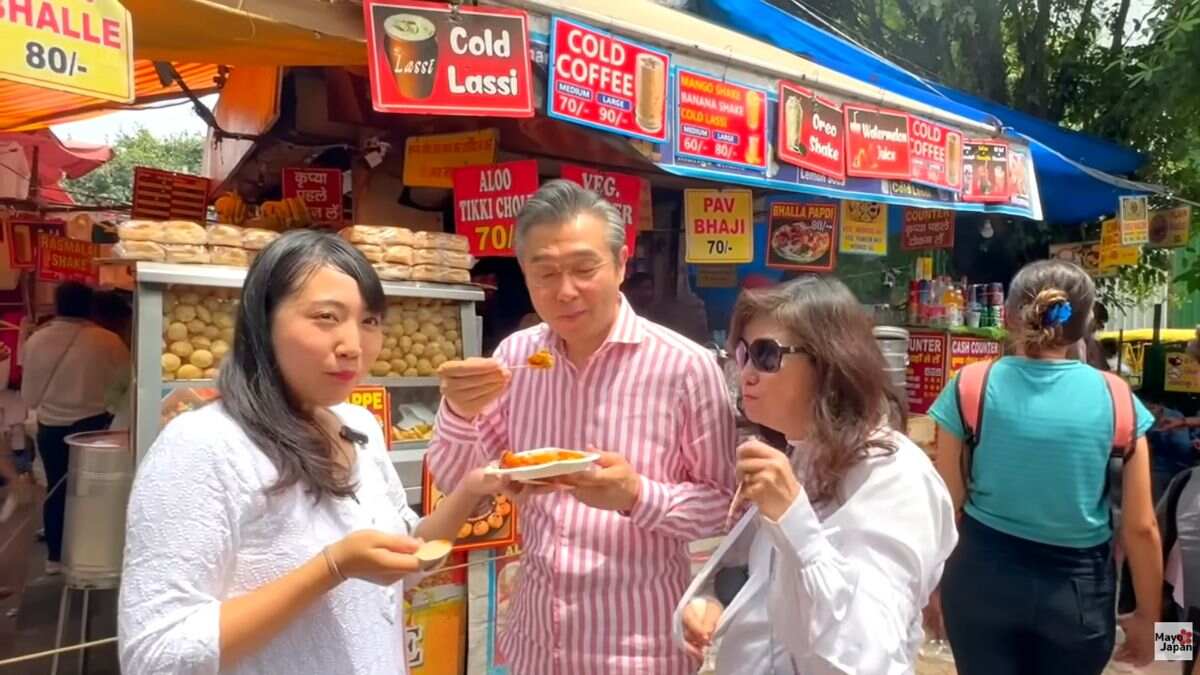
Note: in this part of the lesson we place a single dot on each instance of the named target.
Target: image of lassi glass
(793, 119)
(753, 150)
(753, 110)
(650, 87)
(413, 53)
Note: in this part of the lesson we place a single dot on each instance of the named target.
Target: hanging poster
(877, 143)
(1112, 253)
(167, 195)
(430, 161)
(936, 154)
(487, 200)
(801, 236)
(493, 523)
(621, 190)
(1020, 182)
(437, 59)
(1135, 220)
(864, 228)
(493, 581)
(926, 369)
(319, 189)
(927, 229)
(1171, 228)
(719, 226)
(720, 121)
(1086, 254)
(811, 131)
(985, 171)
(1183, 371)
(607, 82)
(966, 350)
(435, 617)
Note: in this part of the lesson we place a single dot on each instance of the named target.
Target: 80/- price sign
(720, 226)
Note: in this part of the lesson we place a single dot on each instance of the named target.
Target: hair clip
(1057, 314)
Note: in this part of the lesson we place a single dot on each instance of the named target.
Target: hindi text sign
(926, 369)
(926, 229)
(319, 189)
(167, 195)
(1135, 220)
(864, 228)
(430, 161)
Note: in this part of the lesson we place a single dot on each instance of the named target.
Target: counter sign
(83, 47)
(719, 226)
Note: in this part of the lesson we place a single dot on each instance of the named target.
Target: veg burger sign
(432, 59)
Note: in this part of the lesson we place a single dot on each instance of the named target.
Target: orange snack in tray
(541, 359)
(512, 460)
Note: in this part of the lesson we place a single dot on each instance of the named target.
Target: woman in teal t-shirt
(1031, 586)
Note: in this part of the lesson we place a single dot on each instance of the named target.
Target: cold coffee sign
(428, 59)
(487, 200)
(720, 121)
(811, 132)
(936, 154)
(621, 190)
(876, 143)
(608, 82)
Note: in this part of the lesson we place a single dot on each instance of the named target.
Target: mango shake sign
(429, 59)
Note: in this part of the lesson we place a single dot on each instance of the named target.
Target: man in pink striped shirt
(605, 560)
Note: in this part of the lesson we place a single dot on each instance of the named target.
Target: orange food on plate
(541, 359)
(512, 460)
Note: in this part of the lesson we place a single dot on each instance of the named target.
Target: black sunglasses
(765, 355)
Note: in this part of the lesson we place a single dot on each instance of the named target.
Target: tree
(113, 182)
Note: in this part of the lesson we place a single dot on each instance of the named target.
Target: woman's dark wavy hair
(252, 388)
(853, 395)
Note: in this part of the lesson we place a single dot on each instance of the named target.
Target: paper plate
(558, 467)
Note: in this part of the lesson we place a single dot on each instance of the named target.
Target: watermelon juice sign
(487, 200)
(876, 143)
(432, 59)
(600, 80)
(621, 190)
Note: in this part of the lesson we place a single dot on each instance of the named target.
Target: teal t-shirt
(1039, 471)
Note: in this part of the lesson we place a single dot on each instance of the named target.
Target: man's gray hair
(560, 201)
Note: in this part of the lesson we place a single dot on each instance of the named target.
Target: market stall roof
(199, 35)
(56, 160)
(1067, 162)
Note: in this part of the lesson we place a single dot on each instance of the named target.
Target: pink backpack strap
(971, 382)
(1124, 418)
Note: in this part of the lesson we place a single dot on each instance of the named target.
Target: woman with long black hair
(268, 531)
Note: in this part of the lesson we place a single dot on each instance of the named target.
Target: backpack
(969, 393)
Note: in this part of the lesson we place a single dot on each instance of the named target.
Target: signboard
(319, 189)
(720, 121)
(801, 236)
(811, 131)
(864, 228)
(716, 276)
(1112, 253)
(1171, 228)
(493, 523)
(1020, 177)
(608, 82)
(435, 617)
(967, 350)
(1086, 254)
(936, 154)
(487, 200)
(1135, 220)
(621, 190)
(876, 143)
(926, 369)
(432, 59)
(83, 47)
(22, 236)
(927, 229)
(1183, 371)
(985, 171)
(63, 259)
(430, 161)
(166, 195)
(719, 226)
(377, 400)
(492, 584)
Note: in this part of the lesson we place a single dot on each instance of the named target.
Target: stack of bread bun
(180, 241)
(399, 254)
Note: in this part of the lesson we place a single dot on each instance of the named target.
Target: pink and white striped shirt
(598, 588)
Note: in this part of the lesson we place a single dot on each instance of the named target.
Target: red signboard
(803, 236)
(926, 369)
(608, 82)
(935, 153)
(166, 195)
(966, 350)
(63, 259)
(487, 200)
(985, 171)
(876, 143)
(319, 189)
(812, 132)
(431, 59)
(621, 190)
(926, 229)
(720, 121)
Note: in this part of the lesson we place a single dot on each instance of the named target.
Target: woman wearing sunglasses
(848, 527)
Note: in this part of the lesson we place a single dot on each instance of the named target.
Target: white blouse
(840, 592)
(201, 529)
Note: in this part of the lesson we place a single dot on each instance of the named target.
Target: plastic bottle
(914, 303)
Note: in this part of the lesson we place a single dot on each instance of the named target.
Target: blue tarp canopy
(1070, 193)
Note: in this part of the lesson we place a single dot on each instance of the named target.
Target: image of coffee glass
(650, 88)
(953, 158)
(793, 119)
(413, 53)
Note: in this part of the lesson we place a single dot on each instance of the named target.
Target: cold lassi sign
(719, 226)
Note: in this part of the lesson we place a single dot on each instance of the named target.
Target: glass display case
(184, 325)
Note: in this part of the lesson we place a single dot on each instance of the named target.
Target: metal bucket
(893, 343)
(98, 485)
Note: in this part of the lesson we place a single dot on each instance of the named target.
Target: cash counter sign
(82, 47)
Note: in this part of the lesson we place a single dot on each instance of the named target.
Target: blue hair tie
(1058, 314)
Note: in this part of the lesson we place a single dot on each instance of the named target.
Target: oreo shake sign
(876, 143)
